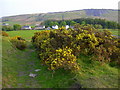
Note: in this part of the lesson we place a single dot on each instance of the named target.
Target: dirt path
(26, 65)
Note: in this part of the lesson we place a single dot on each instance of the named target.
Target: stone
(37, 70)
(32, 75)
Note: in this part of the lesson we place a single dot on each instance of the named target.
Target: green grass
(26, 34)
(17, 65)
(114, 31)
(96, 75)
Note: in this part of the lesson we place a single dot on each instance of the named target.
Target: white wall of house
(39, 27)
(55, 27)
(26, 27)
(67, 26)
(5, 24)
(72, 27)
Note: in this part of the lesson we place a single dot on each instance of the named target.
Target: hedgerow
(60, 48)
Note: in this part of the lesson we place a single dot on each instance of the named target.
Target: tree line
(97, 23)
(11, 28)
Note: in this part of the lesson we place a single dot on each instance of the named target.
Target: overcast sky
(16, 7)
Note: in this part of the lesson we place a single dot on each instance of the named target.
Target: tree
(7, 28)
(98, 26)
(51, 23)
(56, 23)
(16, 27)
(72, 23)
(63, 23)
(83, 22)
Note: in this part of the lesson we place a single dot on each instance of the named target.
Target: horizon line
(49, 12)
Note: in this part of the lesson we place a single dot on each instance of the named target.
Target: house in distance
(26, 28)
(39, 27)
(55, 27)
(5, 24)
(67, 26)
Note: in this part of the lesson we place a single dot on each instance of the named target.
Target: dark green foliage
(72, 23)
(98, 23)
(63, 23)
(16, 27)
(98, 26)
(7, 28)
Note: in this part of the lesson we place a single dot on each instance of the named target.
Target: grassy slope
(17, 65)
(96, 75)
(31, 19)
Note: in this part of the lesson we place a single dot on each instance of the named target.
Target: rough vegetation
(3, 33)
(18, 42)
(60, 48)
(20, 63)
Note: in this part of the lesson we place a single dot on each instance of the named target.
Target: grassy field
(26, 34)
(114, 31)
(17, 65)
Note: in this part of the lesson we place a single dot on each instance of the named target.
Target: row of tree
(11, 28)
(99, 23)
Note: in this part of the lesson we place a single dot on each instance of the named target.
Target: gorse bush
(18, 42)
(60, 48)
(62, 58)
(3, 33)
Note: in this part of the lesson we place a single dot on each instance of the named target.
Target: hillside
(108, 14)
(21, 63)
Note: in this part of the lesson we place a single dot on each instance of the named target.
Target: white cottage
(48, 28)
(39, 27)
(5, 24)
(55, 27)
(67, 26)
(72, 27)
(26, 28)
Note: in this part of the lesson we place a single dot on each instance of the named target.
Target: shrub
(18, 42)
(62, 58)
(7, 28)
(4, 33)
(60, 48)
(38, 36)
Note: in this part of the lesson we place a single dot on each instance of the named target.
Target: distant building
(26, 28)
(5, 24)
(48, 28)
(55, 27)
(67, 26)
(72, 27)
(39, 27)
